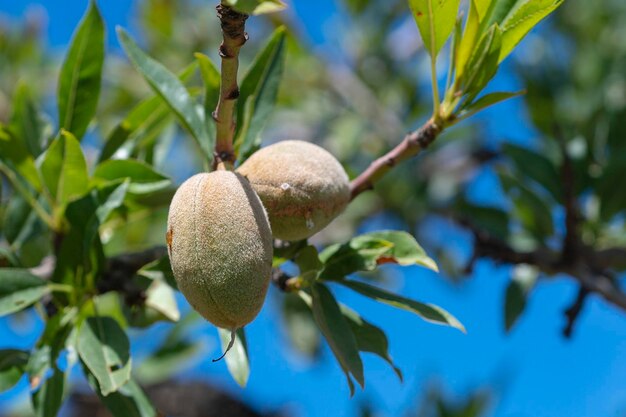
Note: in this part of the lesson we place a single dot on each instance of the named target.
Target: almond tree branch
(412, 144)
(234, 37)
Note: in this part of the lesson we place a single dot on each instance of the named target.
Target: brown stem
(412, 144)
(234, 36)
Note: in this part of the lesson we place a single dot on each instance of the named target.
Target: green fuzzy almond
(220, 247)
(302, 186)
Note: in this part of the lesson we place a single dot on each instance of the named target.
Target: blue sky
(533, 371)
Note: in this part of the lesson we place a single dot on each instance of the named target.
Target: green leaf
(128, 401)
(256, 7)
(159, 269)
(524, 16)
(27, 122)
(19, 289)
(237, 360)
(366, 252)
(172, 90)
(369, 338)
(337, 332)
(536, 167)
(143, 178)
(428, 312)
(104, 348)
(483, 63)
(309, 263)
(489, 100)
(15, 154)
(469, 38)
(12, 367)
(64, 169)
(435, 20)
(258, 93)
(490, 219)
(532, 211)
(522, 282)
(80, 77)
(169, 360)
(147, 116)
(301, 329)
(48, 399)
(212, 80)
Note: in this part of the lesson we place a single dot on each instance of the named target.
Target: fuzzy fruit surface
(302, 186)
(220, 246)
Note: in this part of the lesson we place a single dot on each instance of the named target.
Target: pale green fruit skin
(220, 247)
(302, 186)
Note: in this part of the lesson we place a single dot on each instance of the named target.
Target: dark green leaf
(48, 399)
(490, 219)
(172, 90)
(532, 211)
(258, 93)
(522, 282)
(64, 169)
(536, 167)
(27, 122)
(12, 366)
(104, 348)
(337, 332)
(369, 338)
(309, 263)
(435, 20)
(80, 77)
(19, 289)
(128, 401)
(143, 178)
(428, 312)
(237, 360)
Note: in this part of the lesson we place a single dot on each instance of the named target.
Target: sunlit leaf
(143, 178)
(237, 360)
(256, 7)
(19, 289)
(435, 20)
(80, 77)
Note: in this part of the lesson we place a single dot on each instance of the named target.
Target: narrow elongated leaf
(258, 93)
(27, 122)
(64, 169)
(302, 331)
(489, 100)
(143, 179)
(12, 367)
(19, 289)
(523, 280)
(81, 74)
(435, 20)
(172, 90)
(521, 20)
(483, 64)
(337, 332)
(369, 338)
(48, 398)
(256, 7)
(469, 38)
(428, 312)
(212, 80)
(237, 360)
(142, 118)
(104, 348)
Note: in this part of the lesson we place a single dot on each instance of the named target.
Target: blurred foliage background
(357, 96)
